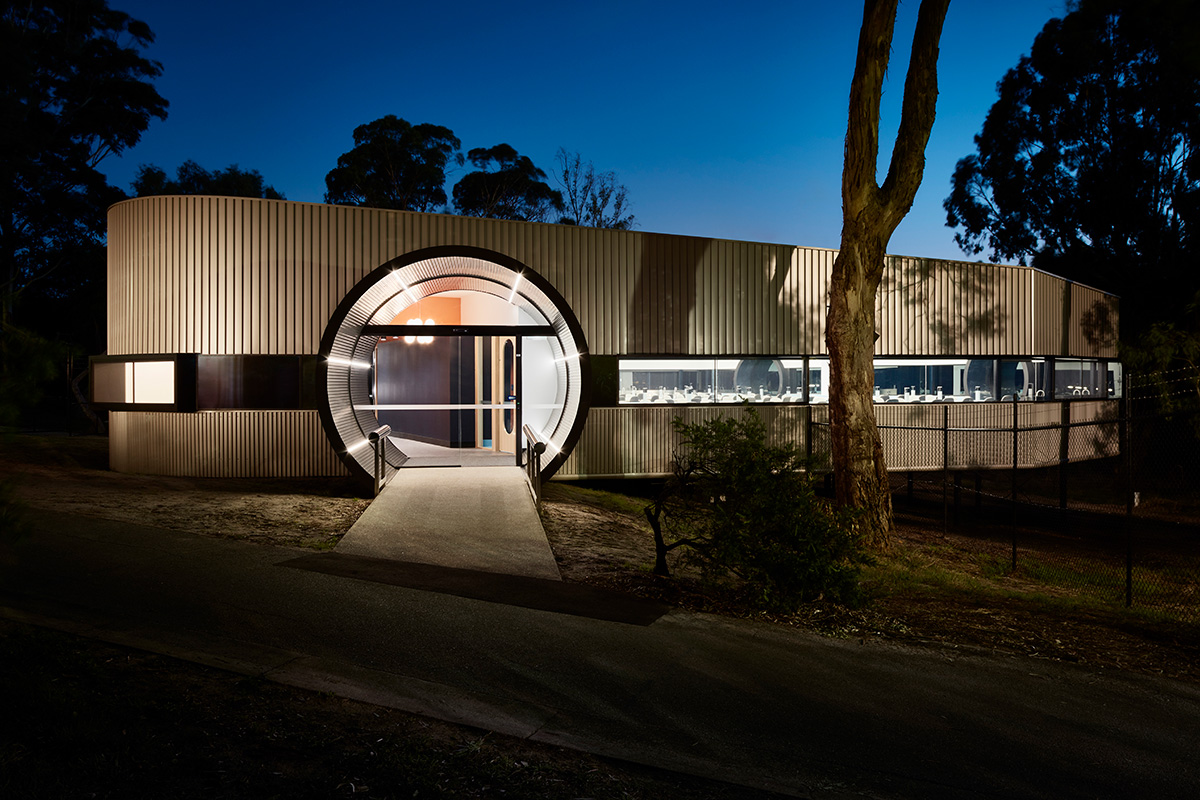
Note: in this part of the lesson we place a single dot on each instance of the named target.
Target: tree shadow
(690, 295)
(941, 306)
(1099, 324)
(664, 296)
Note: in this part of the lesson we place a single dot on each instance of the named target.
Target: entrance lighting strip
(453, 406)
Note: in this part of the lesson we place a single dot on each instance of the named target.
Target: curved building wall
(241, 276)
(238, 276)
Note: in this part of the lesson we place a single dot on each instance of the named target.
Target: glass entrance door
(451, 400)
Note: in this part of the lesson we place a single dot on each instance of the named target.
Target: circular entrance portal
(494, 294)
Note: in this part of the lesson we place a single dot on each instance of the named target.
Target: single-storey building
(252, 337)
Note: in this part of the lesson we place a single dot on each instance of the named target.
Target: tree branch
(866, 90)
(916, 117)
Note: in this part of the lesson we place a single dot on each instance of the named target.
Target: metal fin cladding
(346, 355)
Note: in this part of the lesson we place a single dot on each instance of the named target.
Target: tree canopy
(1087, 164)
(191, 178)
(75, 88)
(590, 198)
(506, 185)
(395, 164)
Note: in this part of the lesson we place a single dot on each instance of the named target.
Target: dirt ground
(603, 539)
(71, 474)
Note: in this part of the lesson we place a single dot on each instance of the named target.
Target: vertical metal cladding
(240, 444)
(220, 275)
(934, 307)
(226, 275)
(639, 441)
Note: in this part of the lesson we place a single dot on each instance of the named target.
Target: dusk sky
(724, 119)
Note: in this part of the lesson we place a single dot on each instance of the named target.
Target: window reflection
(1076, 378)
(682, 380)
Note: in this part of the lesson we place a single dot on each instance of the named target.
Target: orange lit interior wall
(442, 310)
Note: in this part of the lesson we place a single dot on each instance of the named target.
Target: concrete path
(752, 703)
(476, 518)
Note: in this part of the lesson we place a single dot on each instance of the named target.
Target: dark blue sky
(724, 119)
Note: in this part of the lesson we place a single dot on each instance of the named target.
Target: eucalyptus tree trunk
(870, 213)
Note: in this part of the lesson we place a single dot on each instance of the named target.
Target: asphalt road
(750, 703)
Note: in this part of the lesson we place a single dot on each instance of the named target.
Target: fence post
(1016, 453)
(1064, 452)
(945, 468)
(808, 437)
(1123, 444)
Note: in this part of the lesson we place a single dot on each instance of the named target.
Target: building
(253, 337)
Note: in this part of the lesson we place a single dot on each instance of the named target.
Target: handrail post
(534, 447)
(378, 439)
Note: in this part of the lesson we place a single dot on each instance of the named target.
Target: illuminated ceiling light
(516, 283)
(347, 362)
(419, 339)
(425, 339)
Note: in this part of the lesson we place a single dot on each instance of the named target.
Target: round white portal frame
(345, 359)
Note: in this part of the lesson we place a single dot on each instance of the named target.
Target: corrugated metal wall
(219, 275)
(640, 441)
(223, 275)
(935, 307)
(231, 444)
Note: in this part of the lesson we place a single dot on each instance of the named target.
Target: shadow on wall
(952, 301)
(1099, 324)
(665, 293)
(802, 306)
(747, 305)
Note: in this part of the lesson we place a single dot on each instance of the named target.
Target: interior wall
(436, 373)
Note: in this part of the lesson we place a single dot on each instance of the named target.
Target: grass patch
(608, 500)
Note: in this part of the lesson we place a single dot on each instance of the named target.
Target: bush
(747, 508)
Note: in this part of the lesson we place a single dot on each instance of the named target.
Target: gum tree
(870, 213)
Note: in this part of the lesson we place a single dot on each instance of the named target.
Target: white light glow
(419, 339)
(153, 382)
(516, 283)
(347, 362)
(403, 285)
(357, 446)
(566, 358)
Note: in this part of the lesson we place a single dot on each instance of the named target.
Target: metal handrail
(378, 439)
(534, 447)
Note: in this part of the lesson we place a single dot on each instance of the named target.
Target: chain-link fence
(1090, 499)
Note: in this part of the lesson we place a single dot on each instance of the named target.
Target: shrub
(745, 507)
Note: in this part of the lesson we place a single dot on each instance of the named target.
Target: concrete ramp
(479, 518)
